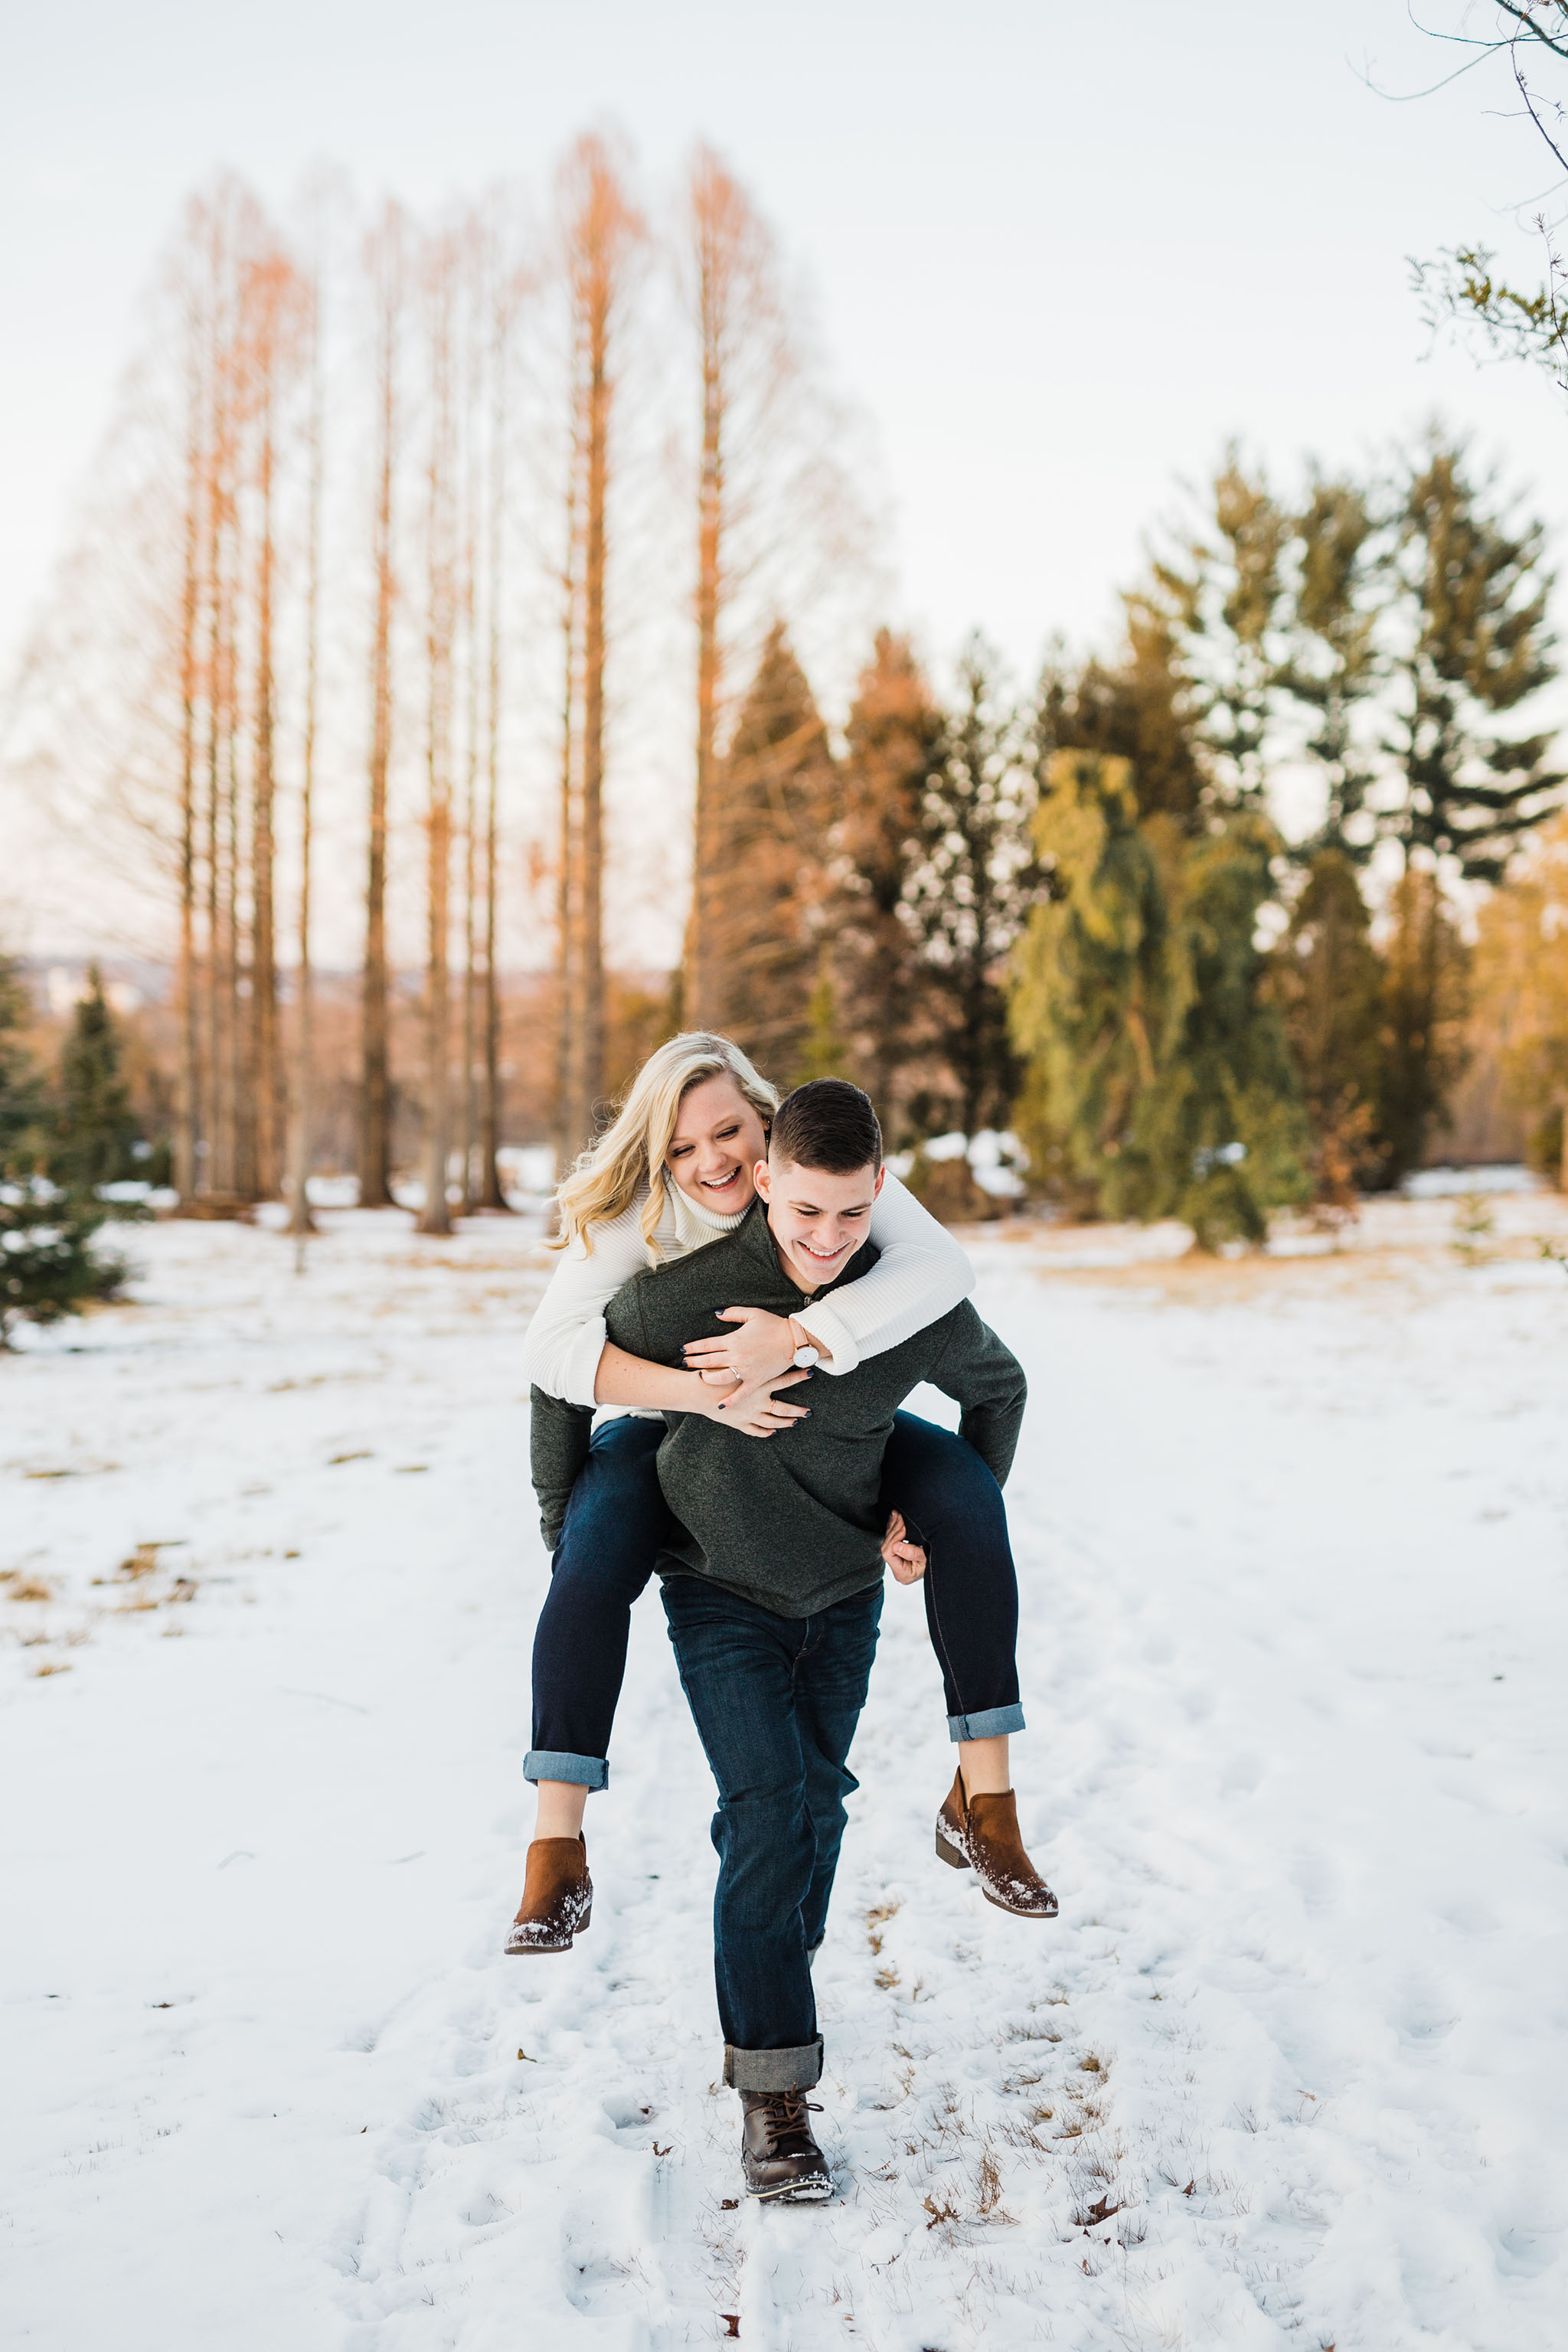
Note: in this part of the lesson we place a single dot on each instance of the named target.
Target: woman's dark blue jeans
(775, 1701)
(615, 1523)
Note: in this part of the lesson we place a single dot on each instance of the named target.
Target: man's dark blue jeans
(775, 1701)
(616, 1524)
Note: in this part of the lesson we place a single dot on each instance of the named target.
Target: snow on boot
(557, 1897)
(980, 1833)
(778, 2156)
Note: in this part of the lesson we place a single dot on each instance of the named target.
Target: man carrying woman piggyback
(719, 1251)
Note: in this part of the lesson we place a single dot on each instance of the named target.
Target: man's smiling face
(818, 1219)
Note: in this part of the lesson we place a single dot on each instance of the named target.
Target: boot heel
(582, 1926)
(953, 1855)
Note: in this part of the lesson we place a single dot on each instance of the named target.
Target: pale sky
(1060, 254)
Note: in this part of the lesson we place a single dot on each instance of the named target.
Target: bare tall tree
(219, 610)
(302, 1106)
(476, 291)
(274, 343)
(775, 508)
(567, 937)
(731, 283)
(233, 233)
(440, 626)
(507, 289)
(264, 291)
(385, 266)
(188, 1117)
(603, 231)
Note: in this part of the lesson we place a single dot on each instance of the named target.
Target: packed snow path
(1290, 2070)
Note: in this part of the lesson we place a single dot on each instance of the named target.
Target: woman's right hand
(757, 1411)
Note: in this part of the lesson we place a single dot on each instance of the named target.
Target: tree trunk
(591, 1052)
(762, 495)
(300, 1220)
(491, 1193)
(376, 1104)
(602, 228)
(265, 1074)
(471, 1105)
(435, 1215)
(236, 1128)
(734, 314)
(567, 1139)
(187, 1127)
(220, 1140)
(700, 1008)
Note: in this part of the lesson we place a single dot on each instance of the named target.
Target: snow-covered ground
(1290, 2070)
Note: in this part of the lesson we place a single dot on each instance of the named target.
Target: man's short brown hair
(826, 1124)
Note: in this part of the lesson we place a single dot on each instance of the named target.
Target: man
(771, 1584)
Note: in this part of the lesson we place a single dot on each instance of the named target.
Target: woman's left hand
(907, 1560)
(760, 1346)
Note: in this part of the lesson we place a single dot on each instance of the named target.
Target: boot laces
(786, 2115)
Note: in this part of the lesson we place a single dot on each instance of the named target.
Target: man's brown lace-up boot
(980, 1833)
(557, 1897)
(778, 2155)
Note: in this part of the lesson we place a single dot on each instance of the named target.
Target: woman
(671, 1172)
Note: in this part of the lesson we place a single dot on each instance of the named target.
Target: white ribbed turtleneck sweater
(919, 1276)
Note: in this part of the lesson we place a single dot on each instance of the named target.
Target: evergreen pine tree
(824, 1053)
(970, 891)
(1088, 999)
(883, 987)
(95, 1127)
(1160, 1080)
(775, 802)
(48, 1267)
(1328, 978)
(1425, 997)
(1333, 666)
(1223, 602)
(1478, 647)
(21, 1098)
(1137, 709)
(1222, 1139)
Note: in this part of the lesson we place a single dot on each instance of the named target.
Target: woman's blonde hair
(631, 1152)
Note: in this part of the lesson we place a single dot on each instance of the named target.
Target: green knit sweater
(791, 1522)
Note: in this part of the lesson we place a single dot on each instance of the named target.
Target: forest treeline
(392, 519)
(1073, 914)
(395, 516)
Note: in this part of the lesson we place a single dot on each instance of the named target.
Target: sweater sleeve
(987, 1381)
(566, 1337)
(919, 1276)
(558, 1440)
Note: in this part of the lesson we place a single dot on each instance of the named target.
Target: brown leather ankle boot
(557, 1897)
(779, 2157)
(980, 1833)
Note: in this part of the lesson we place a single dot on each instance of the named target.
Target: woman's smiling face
(718, 1141)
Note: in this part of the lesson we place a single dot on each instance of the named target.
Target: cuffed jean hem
(992, 1723)
(774, 2069)
(554, 1764)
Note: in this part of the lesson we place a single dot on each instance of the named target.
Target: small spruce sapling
(96, 1131)
(47, 1266)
